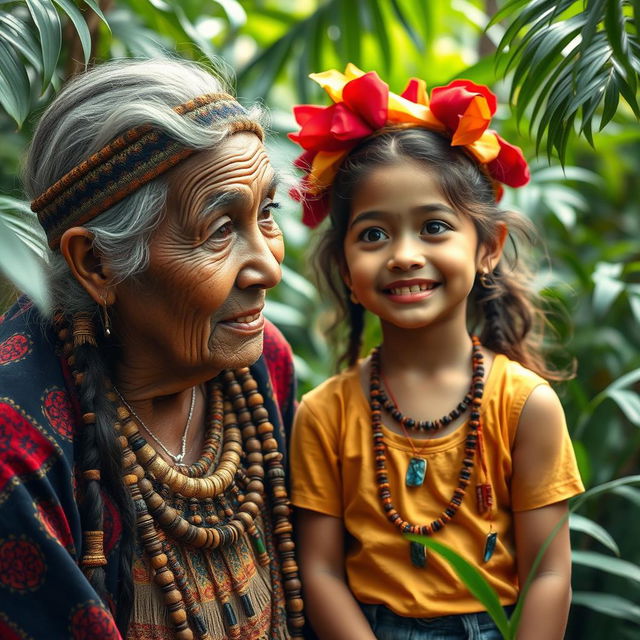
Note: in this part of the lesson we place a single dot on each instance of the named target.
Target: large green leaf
(580, 523)
(472, 579)
(19, 34)
(47, 21)
(79, 23)
(20, 261)
(15, 95)
(608, 604)
(614, 566)
(575, 58)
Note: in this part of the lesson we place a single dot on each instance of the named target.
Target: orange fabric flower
(363, 104)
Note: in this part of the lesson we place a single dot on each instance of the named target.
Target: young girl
(437, 432)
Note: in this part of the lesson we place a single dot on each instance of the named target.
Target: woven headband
(363, 105)
(128, 162)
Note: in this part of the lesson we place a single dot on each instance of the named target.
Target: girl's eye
(435, 227)
(373, 234)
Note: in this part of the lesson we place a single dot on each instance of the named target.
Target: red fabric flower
(509, 167)
(362, 104)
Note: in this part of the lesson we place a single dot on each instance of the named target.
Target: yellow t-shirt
(332, 471)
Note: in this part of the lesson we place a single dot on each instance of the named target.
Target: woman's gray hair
(93, 109)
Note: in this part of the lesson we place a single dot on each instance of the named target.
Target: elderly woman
(142, 429)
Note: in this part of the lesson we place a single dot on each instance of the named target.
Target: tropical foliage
(569, 70)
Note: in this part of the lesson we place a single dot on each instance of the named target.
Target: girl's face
(410, 258)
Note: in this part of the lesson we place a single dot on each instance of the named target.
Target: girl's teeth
(414, 288)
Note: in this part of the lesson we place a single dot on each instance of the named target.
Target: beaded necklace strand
(237, 420)
(417, 551)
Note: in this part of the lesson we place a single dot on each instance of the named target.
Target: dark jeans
(469, 626)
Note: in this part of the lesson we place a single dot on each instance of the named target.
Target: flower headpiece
(363, 104)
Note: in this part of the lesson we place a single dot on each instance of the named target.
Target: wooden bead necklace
(417, 551)
(410, 423)
(238, 420)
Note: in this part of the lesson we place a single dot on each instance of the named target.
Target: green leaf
(79, 23)
(607, 286)
(15, 95)
(629, 403)
(19, 34)
(418, 42)
(472, 579)
(284, 315)
(98, 11)
(21, 265)
(47, 22)
(380, 32)
(629, 493)
(350, 31)
(614, 566)
(593, 529)
(608, 604)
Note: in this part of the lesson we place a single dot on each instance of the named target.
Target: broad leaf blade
(79, 23)
(473, 580)
(47, 22)
(15, 95)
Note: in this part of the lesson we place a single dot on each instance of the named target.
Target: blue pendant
(490, 546)
(418, 554)
(415, 472)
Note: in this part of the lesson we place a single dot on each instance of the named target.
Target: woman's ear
(491, 252)
(76, 245)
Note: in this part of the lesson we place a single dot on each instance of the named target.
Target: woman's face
(198, 306)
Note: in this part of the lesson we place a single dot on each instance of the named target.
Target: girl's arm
(329, 604)
(546, 607)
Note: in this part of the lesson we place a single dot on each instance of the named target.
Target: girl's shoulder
(510, 374)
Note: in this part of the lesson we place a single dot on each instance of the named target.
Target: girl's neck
(429, 349)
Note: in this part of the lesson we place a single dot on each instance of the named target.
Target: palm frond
(572, 61)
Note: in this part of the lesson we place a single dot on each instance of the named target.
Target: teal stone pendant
(418, 554)
(490, 546)
(415, 472)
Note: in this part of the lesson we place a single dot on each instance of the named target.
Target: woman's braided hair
(503, 308)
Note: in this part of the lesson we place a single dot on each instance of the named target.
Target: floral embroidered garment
(43, 592)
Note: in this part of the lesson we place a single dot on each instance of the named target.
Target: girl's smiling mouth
(410, 290)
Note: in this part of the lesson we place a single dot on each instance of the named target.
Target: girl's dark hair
(504, 311)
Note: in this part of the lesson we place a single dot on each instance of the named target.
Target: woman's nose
(261, 267)
(406, 255)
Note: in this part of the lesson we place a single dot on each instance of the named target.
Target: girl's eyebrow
(375, 215)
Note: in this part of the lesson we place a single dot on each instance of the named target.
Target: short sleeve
(554, 474)
(314, 462)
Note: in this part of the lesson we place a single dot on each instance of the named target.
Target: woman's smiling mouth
(248, 322)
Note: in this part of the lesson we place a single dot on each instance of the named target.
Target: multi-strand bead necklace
(379, 401)
(223, 502)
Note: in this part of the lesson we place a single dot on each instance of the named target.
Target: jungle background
(566, 73)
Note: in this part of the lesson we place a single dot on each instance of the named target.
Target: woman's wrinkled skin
(197, 308)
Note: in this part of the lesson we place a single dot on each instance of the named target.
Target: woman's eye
(268, 209)
(374, 234)
(435, 227)
(221, 229)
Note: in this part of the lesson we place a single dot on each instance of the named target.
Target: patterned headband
(363, 105)
(128, 162)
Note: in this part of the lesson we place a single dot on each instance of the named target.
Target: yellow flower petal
(324, 167)
(333, 81)
(403, 110)
(486, 148)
